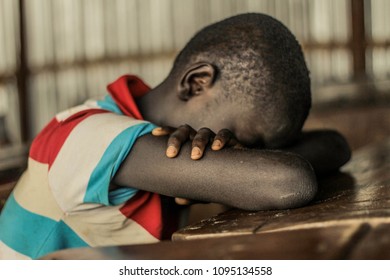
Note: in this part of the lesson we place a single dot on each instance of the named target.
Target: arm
(326, 150)
(246, 179)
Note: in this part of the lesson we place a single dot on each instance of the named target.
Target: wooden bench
(13, 160)
(5, 191)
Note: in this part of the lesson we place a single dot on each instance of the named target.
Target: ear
(197, 79)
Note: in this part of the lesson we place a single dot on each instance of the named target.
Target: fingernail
(216, 145)
(171, 151)
(195, 153)
(156, 131)
(182, 201)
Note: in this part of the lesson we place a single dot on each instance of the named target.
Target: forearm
(326, 150)
(246, 179)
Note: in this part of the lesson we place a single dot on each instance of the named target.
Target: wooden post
(22, 76)
(358, 42)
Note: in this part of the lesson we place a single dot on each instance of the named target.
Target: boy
(96, 176)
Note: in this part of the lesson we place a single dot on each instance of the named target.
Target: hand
(200, 139)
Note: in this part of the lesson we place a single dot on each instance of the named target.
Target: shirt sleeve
(106, 168)
(90, 157)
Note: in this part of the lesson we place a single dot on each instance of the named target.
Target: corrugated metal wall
(75, 47)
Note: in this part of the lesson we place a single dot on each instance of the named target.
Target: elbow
(290, 186)
(300, 185)
(343, 149)
(338, 156)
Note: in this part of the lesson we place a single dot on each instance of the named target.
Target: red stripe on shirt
(49, 141)
(145, 209)
(124, 90)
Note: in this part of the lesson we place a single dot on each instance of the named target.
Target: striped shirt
(63, 200)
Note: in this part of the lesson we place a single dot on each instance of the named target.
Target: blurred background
(56, 53)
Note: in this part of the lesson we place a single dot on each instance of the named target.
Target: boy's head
(246, 73)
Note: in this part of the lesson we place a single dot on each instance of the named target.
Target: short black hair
(260, 62)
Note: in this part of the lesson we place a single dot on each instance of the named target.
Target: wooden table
(358, 195)
(349, 219)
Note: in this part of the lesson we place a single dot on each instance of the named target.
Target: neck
(153, 105)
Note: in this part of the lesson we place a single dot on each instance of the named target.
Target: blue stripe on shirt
(109, 104)
(115, 154)
(21, 230)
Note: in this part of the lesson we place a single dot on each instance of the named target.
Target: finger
(224, 138)
(239, 146)
(182, 201)
(176, 140)
(200, 141)
(162, 131)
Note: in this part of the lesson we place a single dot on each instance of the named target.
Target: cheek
(250, 138)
